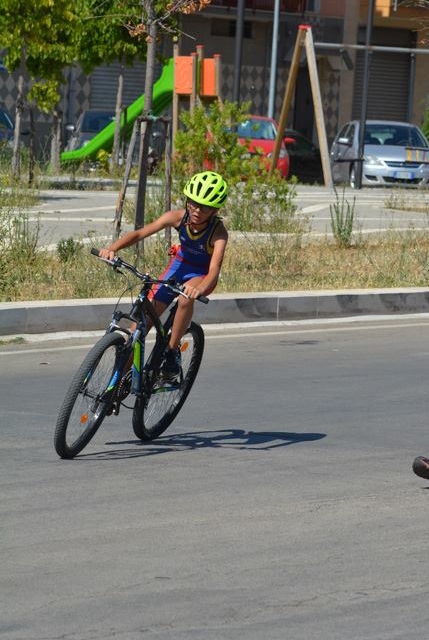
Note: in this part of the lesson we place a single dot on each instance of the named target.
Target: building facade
(398, 86)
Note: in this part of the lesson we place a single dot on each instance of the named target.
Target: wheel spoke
(164, 402)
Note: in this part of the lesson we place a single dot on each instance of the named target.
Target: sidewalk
(39, 317)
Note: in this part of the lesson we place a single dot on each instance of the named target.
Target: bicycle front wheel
(152, 415)
(88, 397)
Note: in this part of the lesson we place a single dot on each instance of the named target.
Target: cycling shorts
(182, 272)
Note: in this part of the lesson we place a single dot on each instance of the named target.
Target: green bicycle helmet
(208, 188)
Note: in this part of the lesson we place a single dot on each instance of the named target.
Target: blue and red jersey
(191, 258)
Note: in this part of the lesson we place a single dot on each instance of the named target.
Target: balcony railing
(291, 6)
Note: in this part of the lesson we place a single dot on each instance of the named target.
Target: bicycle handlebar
(118, 262)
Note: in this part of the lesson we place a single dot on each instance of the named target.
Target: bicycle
(117, 367)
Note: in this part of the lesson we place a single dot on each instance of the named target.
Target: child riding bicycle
(196, 262)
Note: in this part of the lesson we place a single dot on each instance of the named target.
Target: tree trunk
(31, 155)
(118, 113)
(56, 140)
(16, 153)
(145, 129)
(121, 198)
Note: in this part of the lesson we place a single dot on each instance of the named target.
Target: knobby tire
(87, 399)
(154, 414)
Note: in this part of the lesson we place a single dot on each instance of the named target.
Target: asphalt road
(281, 504)
(79, 214)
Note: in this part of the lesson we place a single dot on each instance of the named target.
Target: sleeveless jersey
(190, 259)
(195, 248)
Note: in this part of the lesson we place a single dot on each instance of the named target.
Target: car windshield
(96, 121)
(257, 130)
(394, 134)
(5, 121)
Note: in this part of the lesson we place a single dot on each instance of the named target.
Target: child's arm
(168, 219)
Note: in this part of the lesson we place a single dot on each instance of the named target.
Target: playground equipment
(191, 76)
(162, 96)
(305, 39)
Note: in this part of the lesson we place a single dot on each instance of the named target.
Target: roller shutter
(389, 80)
(104, 84)
(388, 86)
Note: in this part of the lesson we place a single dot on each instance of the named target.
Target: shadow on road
(231, 438)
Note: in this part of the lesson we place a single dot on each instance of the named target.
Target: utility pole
(364, 109)
(238, 51)
(273, 69)
(146, 124)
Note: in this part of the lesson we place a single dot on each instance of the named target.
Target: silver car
(395, 153)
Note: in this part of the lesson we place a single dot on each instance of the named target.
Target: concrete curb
(53, 316)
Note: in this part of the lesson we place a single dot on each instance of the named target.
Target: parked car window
(95, 122)
(346, 132)
(397, 135)
(88, 125)
(256, 130)
(6, 126)
(304, 157)
(258, 134)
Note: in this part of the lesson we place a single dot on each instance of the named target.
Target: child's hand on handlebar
(107, 254)
(191, 292)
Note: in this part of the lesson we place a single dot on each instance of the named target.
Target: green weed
(342, 219)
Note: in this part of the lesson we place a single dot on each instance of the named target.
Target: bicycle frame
(141, 310)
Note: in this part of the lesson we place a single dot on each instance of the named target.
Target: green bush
(20, 258)
(68, 249)
(256, 200)
(342, 219)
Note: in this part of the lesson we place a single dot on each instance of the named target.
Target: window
(226, 28)
(313, 6)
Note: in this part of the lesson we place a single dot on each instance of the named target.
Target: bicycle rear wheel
(152, 415)
(88, 397)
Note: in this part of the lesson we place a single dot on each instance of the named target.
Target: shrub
(256, 200)
(68, 249)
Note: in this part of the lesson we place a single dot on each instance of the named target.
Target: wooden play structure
(305, 40)
(196, 78)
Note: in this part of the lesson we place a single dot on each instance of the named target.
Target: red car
(258, 134)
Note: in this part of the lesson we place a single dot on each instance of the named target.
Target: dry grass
(286, 259)
(395, 260)
(277, 263)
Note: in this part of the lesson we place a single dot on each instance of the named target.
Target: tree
(38, 36)
(156, 15)
(104, 37)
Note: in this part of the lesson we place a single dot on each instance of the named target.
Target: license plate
(403, 175)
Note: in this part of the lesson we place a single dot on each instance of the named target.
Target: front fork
(137, 352)
(138, 362)
(142, 374)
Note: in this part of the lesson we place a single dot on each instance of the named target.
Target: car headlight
(373, 160)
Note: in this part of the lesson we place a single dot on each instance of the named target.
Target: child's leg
(183, 317)
(182, 320)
